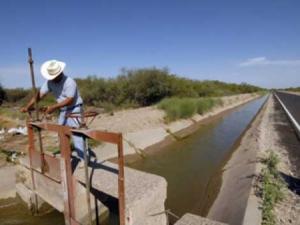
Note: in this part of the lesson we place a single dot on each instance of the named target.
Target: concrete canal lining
(190, 163)
(236, 198)
(137, 143)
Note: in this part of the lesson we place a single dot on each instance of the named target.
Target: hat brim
(45, 73)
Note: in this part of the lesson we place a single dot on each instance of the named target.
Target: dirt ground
(284, 142)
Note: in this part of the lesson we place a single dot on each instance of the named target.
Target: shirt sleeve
(44, 89)
(70, 89)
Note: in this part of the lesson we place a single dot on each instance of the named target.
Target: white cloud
(263, 61)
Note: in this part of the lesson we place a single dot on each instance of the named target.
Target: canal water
(14, 212)
(190, 167)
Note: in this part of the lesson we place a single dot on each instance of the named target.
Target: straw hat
(52, 68)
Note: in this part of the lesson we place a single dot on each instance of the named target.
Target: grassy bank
(272, 188)
(181, 108)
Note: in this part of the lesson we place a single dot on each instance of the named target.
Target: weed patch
(182, 108)
(272, 188)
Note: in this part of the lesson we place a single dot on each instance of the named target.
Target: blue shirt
(65, 88)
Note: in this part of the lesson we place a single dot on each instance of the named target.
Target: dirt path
(286, 144)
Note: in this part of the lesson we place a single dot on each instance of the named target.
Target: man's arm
(68, 101)
(41, 94)
(32, 102)
(70, 90)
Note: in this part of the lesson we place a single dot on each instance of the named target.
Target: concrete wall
(145, 194)
(190, 219)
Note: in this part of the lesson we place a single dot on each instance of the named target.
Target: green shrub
(2, 95)
(272, 162)
(187, 108)
(17, 95)
(204, 105)
(182, 108)
(143, 87)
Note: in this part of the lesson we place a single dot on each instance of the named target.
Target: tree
(2, 94)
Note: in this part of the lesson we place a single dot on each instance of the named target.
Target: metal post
(67, 178)
(30, 152)
(121, 186)
(87, 180)
(35, 92)
(30, 61)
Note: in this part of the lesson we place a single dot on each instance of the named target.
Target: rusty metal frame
(51, 163)
(113, 138)
(39, 160)
(83, 119)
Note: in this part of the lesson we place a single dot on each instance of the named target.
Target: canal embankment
(238, 176)
(239, 200)
(145, 129)
(190, 164)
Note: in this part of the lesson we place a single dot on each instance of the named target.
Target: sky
(255, 41)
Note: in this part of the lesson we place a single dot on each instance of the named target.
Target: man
(67, 96)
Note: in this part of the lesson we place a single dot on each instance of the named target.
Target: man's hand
(50, 109)
(24, 109)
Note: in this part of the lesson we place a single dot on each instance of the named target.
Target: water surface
(189, 165)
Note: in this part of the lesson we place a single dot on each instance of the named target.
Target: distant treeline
(148, 86)
(296, 89)
(140, 87)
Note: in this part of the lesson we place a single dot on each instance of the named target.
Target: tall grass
(182, 108)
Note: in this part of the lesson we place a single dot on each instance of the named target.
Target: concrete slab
(179, 125)
(7, 186)
(28, 197)
(145, 138)
(108, 151)
(190, 219)
(145, 193)
(46, 188)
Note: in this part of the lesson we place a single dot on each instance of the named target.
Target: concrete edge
(232, 157)
(191, 219)
(252, 210)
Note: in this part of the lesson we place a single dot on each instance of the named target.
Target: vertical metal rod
(121, 185)
(82, 123)
(30, 152)
(67, 178)
(87, 180)
(30, 61)
(35, 92)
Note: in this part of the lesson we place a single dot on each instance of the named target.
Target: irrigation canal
(191, 167)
